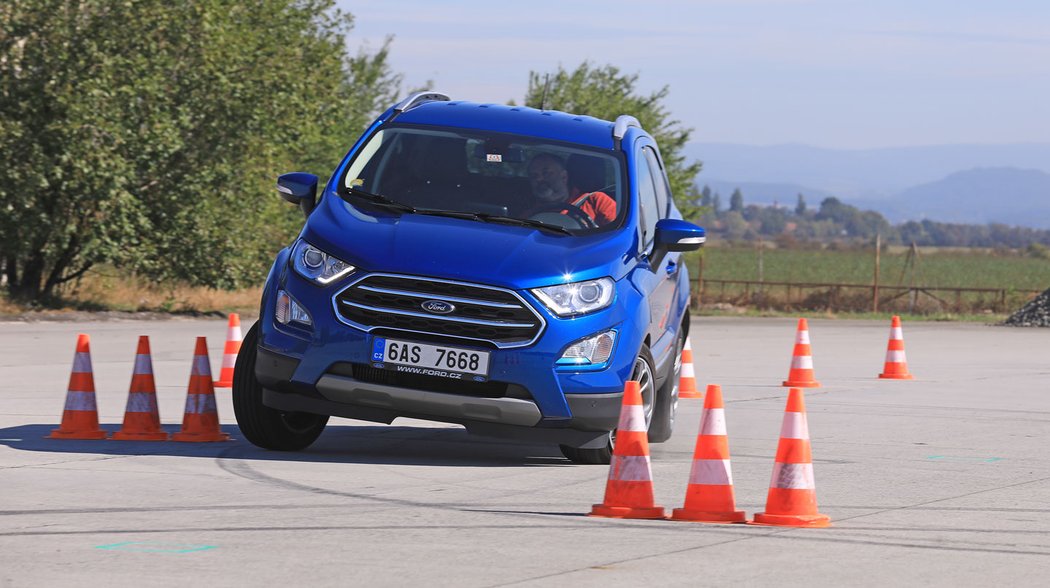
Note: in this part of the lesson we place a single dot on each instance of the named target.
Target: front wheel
(641, 372)
(264, 426)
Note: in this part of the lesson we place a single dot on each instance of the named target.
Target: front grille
(482, 314)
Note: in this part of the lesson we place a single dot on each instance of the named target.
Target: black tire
(260, 424)
(642, 371)
(580, 455)
(666, 409)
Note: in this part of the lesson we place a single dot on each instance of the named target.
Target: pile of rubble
(1034, 314)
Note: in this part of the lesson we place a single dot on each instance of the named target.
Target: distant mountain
(1001, 194)
(949, 183)
(869, 174)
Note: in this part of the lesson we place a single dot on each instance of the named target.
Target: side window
(660, 180)
(647, 202)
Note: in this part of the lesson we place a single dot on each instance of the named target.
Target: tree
(705, 197)
(800, 207)
(736, 201)
(605, 93)
(716, 203)
(146, 134)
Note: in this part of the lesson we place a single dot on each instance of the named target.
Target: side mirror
(678, 235)
(299, 188)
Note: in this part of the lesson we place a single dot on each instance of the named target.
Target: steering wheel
(574, 212)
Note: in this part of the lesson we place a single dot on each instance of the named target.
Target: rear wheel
(641, 372)
(263, 426)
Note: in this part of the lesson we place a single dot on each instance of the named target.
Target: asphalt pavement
(944, 480)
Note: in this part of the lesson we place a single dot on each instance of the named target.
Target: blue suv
(498, 267)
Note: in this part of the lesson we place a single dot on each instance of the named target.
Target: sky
(844, 74)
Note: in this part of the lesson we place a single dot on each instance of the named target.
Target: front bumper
(593, 415)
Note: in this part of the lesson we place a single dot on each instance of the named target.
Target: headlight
(593, 350)
(314, 264)
(577, 298)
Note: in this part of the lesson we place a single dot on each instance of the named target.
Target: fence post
(875, 287)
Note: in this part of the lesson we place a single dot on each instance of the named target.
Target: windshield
(491, 176)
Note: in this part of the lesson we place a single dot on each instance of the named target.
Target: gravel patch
(1034, 314)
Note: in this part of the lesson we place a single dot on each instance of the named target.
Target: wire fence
(835, 297)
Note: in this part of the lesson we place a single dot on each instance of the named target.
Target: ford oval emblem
(438, 306)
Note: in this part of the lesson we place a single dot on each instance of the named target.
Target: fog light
(593, 350)
(290, 311)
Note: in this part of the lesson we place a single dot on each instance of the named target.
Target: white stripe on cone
(802, 362)
(201, 367)
(896, 356)
(81, 363)
(632, 419)
(688, 345)
(142, 402)
(687, 371)
(896, 333)
(200, 403)
(229, 360)
(713, 421)
(233, 334)
(802, 337)
(143, 365)
(794, 426)
(630, 468)
(793, 476)
(713, 472)
(81, 401)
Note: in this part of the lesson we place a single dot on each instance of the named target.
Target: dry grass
(135, 294)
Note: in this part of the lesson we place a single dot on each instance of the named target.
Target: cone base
(696, 394)
(627, 512)
(222, 384)
(817, 520)
(127, 436)
(896, 377)
(700, 516)
(89, 435)
(199, 437)
(790, 384)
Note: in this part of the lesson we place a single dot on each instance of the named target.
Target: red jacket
(597, 205)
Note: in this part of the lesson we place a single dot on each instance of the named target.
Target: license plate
(429, 360)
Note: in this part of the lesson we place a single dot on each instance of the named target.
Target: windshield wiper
(380, 200)
(495, 218)
(522, 222)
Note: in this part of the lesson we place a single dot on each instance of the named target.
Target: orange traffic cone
(142, 417)
(896, 366)
(229, 353)
(629, 490)
(709, 496)
(687, 377)
(792, 499)
(801, 373)
(80, 417)
(200, 423)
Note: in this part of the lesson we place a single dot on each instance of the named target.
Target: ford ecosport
(499, 267)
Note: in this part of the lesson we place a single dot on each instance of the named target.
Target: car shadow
(365, 444)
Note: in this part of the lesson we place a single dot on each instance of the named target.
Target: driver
(550, 185)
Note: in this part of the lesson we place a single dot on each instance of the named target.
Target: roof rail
(620, 127)
(419, 98)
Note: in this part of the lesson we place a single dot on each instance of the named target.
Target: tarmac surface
(944, 480)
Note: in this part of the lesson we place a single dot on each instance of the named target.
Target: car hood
(488, 253)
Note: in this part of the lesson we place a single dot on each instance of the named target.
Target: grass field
(930, 268)
(954, 268)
